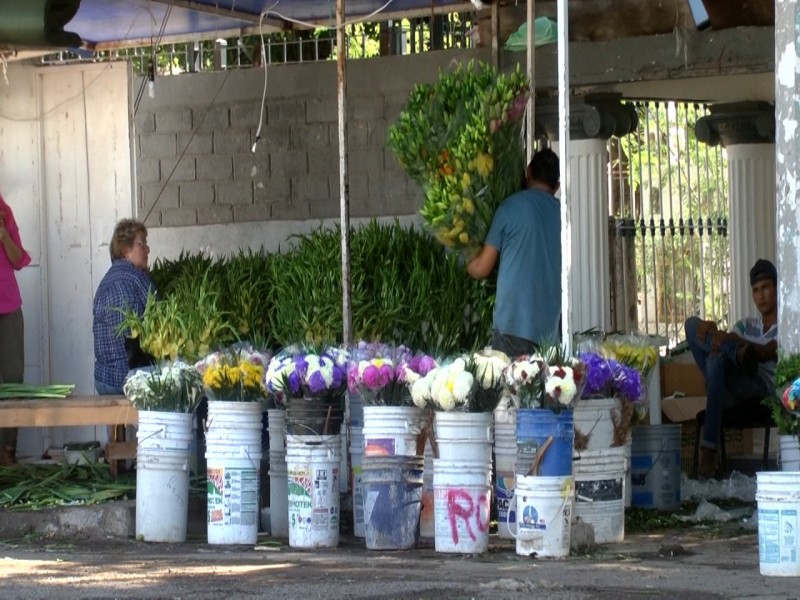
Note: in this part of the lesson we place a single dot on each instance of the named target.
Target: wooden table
(114, 411)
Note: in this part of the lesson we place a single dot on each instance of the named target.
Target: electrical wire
(157, 43)
(271, 11)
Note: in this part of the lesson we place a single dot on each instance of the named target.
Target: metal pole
(344, 181)
(563, 136)
(530, 137)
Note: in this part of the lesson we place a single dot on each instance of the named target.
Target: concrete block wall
(194, 161)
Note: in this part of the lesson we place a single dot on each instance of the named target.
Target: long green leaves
(25, 390)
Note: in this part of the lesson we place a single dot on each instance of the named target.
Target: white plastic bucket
(161, 430)
(599, 492)
(278, 495)
(356, 461)
(162, 494)
(778, 498)
(656, 467)
(235, 415)
(464, 436)
(790, 453)
(544, 515)
(355, 410)
(391, 430)
(592, 418)
(277, 429)
(233, 463)
(462, 494)
(313, 464)
(505, 456)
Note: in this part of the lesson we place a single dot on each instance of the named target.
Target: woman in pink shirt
(12, 350)
(12, 258)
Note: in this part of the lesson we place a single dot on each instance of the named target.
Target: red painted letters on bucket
(461, 505)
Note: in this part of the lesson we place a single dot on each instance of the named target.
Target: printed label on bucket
(311, 502)
(358, 496)
(382, 447)
(777, 536)
(602, 490)
(533, 523)
(503, 499)
(232, 497)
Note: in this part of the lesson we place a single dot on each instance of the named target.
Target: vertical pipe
(563, 136)
(530, 137)
(344, 182)
(495, 34)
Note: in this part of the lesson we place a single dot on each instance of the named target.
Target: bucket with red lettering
(462, 493)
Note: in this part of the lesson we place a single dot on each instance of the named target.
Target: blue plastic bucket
(542, 431)
(656, 467)
(392, 488)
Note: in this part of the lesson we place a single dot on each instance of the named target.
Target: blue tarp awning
(113, 23)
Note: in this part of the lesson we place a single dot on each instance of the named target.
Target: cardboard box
(681, 376)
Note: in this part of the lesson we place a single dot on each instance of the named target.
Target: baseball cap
(763, 269)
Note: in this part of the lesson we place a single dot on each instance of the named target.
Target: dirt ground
(688, 564)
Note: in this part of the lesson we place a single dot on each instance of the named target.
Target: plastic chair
(749, 415)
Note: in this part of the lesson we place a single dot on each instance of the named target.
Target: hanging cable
(153, 58)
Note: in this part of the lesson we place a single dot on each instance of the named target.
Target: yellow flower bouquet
(461, 140)
(235, 375)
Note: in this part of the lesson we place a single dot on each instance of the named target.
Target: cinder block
(145, 123)
(271, 190)
(366, 160)
(243, 166)
(178, 169)
(367, 206)
(393, 105)
(247, 114)
(157, 145)
(378, 132)
(231, 141)
(214, 167)
(276, 137)
(290, 163)
(323, 208)
(201, 143)
(390, 162)
(148, 170)
(365, 108)
(311, 189)
(357, 186)
(178, 217)
(193, 195)
(287, 112)
(211, 118)
(324, 163)
(407, 204)
(152, 193)
(357, 135)
(174, 121)
(323, 110)
(309, 137)
(207, 215)
(289, 211)
(251, 212)
(152, 220)
(233, 192)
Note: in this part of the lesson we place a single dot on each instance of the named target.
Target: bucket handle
(296, 424)
(534, 470)
(513, 502)
(155, 433)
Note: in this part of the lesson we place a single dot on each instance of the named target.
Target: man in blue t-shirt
(526, 236)
(739, 365)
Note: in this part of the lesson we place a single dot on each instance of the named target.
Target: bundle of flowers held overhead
(234, 375)
(169, 387)
(298, 372)
(460, 139)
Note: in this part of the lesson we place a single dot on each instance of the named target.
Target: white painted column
(787, 113)
(589, 279)
(751, 186)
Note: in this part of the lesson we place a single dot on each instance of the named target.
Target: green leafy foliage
(786, 371)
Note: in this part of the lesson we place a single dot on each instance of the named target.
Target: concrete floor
(689, 564)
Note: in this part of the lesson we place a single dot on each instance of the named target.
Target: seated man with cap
(739, 365)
